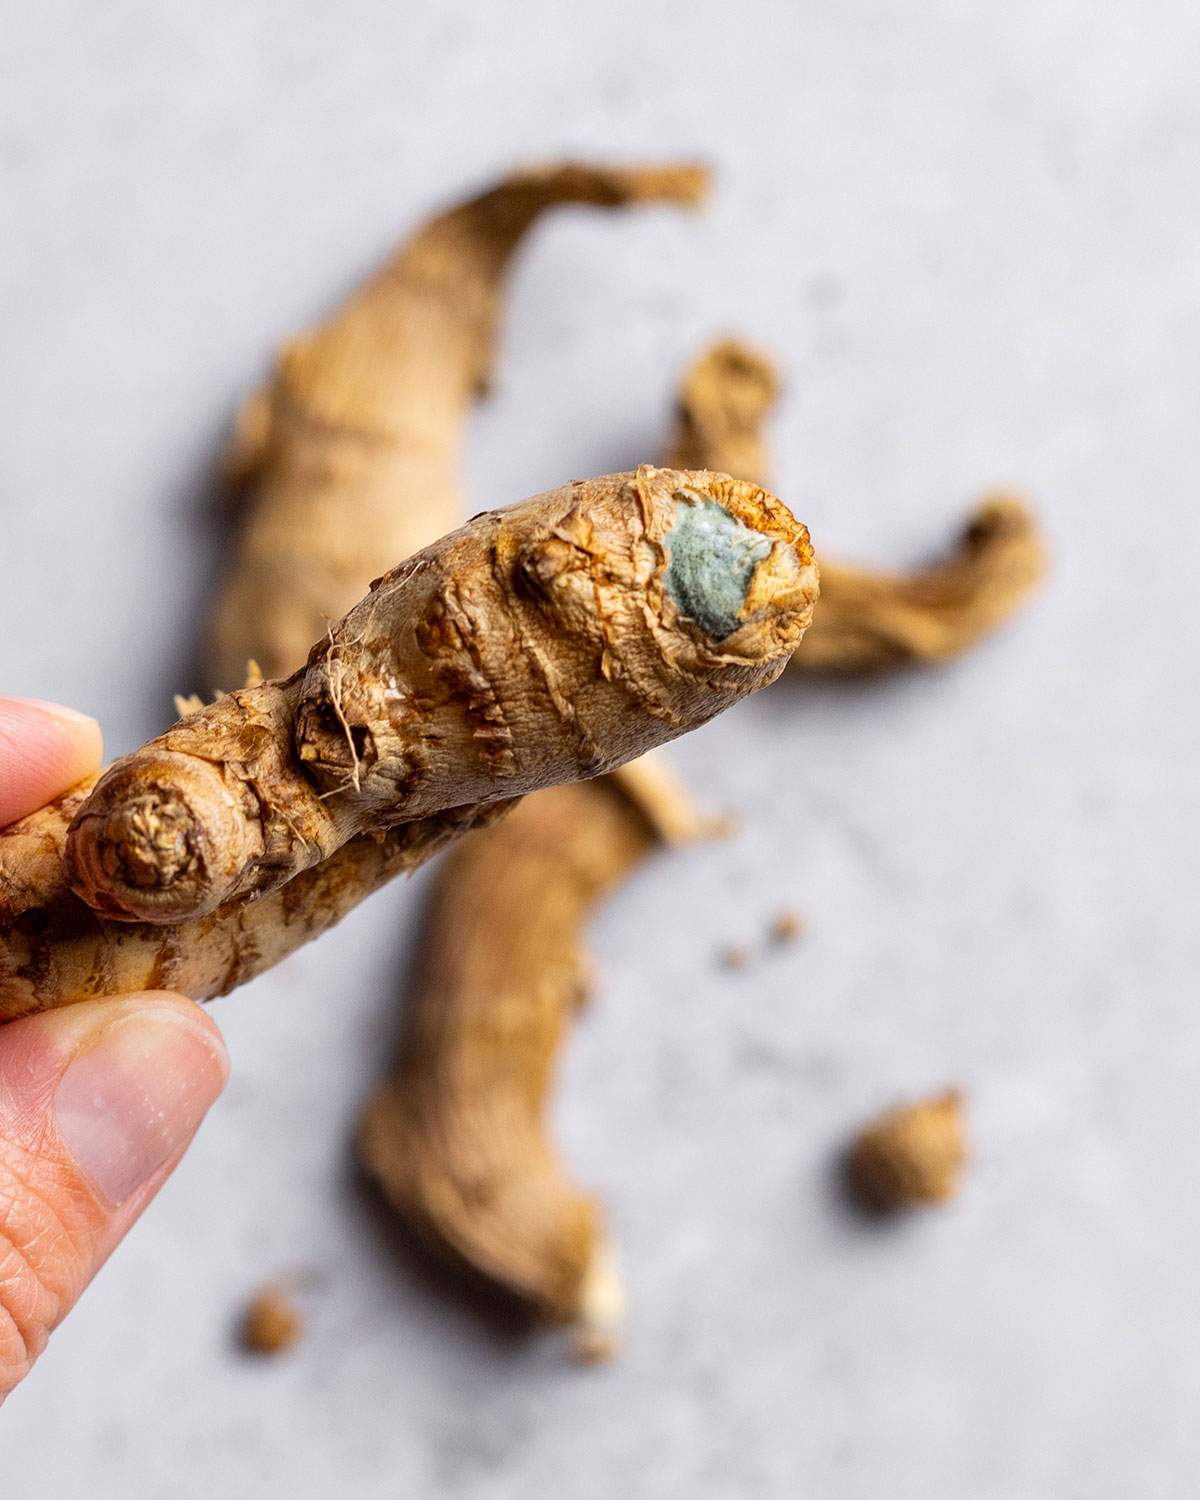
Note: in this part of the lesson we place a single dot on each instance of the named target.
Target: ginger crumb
(786, 927)
(736, 957)
(911, 1155)
(272, 1322)
(589, 1347)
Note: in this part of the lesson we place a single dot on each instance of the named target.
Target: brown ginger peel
(546, 643)
(457, 1137)
(349, 456)
(867, 620)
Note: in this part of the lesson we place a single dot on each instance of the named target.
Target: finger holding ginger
(545, 643)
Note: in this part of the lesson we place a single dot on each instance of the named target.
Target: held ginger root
(537, 645)
(545, 643)
(350, 455)
(456, 1137)
(867, 621)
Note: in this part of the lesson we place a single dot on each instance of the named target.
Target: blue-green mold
(712, 556)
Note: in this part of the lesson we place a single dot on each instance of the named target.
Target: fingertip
(98, 1102)
(136, 1089)
(37, 1050)
(45, 748)
(186, 1012)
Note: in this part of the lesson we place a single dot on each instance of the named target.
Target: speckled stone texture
(969, 232)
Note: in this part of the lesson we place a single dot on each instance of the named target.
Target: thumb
(97, 1103)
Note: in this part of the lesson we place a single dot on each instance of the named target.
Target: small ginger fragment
(786, 927)
(736, 957)
(272, 1323)
(912, 1155)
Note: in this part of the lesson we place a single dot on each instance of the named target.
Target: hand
(98, 1101)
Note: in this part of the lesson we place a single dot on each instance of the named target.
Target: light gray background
(970, 232)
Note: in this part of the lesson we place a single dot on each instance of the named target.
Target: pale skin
(98, 1100)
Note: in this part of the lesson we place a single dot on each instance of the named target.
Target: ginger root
(867, 621)
(913, 1155)
(722, 406)
(55, 950)
(350, 454)
(871, 622)
(456, 1136)
(542, 644)
(545, 643)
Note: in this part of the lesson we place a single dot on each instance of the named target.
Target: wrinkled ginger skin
(867, 621)
(457, 1137)
(533, 646)
(349, 456)
(55, 950)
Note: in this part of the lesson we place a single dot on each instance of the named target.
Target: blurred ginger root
(456, 1136)
(348, 458)
(867, 621)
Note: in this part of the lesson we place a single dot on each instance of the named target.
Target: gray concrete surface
(971, 232)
